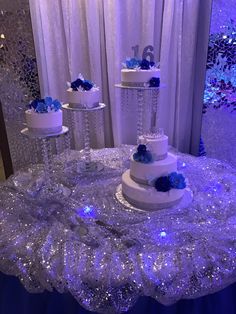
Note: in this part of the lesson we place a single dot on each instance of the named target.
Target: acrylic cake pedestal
(184, 202)
(50, 188)
(140, 91)
(88, 165)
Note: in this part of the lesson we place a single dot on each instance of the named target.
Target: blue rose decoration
(45, 105)
(41, 108)
(145, 64)
(154, 82)
(162, 184)
(143, 155)
(35, 102)
(177, 180)
(86, 85)
(141, 148)
(48, 101)
(132, 63)
(76, 84)
(56, 105)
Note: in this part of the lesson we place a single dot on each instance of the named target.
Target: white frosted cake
(152, 182)
(140, 73)
(83, 93)
(44, 116)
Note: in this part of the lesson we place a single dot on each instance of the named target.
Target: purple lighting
(163, 234)
(87, 211)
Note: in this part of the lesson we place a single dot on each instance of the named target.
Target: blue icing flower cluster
(146, 65)
(83, 84)
(173, 181)
(154, 82)
(143, 155)
(45, 105)
(134, 63)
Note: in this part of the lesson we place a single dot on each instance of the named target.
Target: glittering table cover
(106, 255)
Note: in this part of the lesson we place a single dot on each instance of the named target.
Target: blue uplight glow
(87, 211)
(163, 234)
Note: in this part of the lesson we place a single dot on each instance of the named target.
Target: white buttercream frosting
(156, 143)
(88, 99)
(148, 197)
(147, 172)
(138, 76)
(39, 122)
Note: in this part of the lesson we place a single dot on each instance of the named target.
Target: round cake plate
(92, 166)
(140, 87)
(99, 107)
(30, 134)
(185, 201)
(137, 87)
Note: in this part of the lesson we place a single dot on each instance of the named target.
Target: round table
(106, 255)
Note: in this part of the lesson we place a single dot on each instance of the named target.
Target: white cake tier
(44, 123)
(134, 77)
(147, 197)
(157, 145)
(87, 99)
(143, 173)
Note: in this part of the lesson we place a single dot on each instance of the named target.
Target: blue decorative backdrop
(219, 105)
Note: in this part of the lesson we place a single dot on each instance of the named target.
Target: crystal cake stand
(50, 187)
(140, 98)
(88, 165)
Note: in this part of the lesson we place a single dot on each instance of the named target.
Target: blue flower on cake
(56, 105)
(143, 155)
(177, 180)
(87, 85)
(41, 108)
(81, 84)
(154, 82)
(76, 84)
(34, 103)
(162, 184)
(132, 63)
(172, 181)
(142, 148)
(145, 64)
(45, 105)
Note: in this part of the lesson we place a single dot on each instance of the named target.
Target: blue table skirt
(14, 299)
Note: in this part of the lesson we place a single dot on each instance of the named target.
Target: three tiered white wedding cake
(152, 182)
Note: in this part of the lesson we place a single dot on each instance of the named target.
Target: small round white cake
(83, 99)
(138, 77)
(44, 123)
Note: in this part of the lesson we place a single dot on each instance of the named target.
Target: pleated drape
(93, 37)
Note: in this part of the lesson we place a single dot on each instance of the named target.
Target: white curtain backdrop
(184, 45)
(93, 37)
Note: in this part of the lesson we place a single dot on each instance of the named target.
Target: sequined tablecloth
(106, 255)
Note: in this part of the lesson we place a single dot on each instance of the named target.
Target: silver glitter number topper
(147, 52)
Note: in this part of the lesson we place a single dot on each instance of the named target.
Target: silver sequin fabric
(107, 255)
